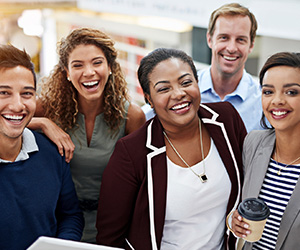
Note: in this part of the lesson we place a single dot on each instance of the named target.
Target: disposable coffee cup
(254, 212)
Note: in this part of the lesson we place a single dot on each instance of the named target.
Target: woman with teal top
(84, 104)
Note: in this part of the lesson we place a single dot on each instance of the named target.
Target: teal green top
(89, 162)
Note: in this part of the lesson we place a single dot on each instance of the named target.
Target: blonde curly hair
(59, 97)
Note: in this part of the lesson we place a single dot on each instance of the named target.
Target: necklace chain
(279, 171)
(201, 176)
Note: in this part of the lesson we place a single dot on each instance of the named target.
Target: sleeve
(69, 216)
(117, 198)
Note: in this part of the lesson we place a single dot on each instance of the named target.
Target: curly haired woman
(84, 103)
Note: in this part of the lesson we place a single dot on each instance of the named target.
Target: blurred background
(139, 26)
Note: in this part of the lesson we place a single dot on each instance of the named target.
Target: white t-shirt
(196, 211)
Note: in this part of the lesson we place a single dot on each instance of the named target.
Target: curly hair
(59, 97)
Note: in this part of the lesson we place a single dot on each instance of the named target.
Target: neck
(10, 148)
(90, 109)
(225, 84)
(287, 146)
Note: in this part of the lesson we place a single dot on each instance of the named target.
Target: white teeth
(279, 112)
(230, 58)
(180, 106)
(14, 117)
(88, 84)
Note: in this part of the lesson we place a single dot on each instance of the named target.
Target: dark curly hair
(59, 97)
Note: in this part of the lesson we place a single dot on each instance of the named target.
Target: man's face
(17, 101)
(230, 44)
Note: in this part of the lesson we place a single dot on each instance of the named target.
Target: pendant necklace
(279, 171)
(202, 176)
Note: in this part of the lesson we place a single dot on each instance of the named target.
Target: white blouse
(196, 211)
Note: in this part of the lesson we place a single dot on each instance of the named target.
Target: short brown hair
(11, 57)
(232, 9)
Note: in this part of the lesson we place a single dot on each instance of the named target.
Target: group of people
(100, 173)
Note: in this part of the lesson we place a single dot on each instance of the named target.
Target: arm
(70, 220)
(118, 194)
(136, 118)
(53, 132)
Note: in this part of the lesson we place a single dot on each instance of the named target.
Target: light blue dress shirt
(246, 98)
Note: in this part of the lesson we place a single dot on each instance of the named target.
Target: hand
(56, 135)
(238, 226)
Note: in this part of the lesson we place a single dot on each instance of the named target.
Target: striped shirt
(276, 192)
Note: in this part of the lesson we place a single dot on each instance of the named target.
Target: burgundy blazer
(132, 203)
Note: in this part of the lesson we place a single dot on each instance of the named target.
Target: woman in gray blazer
(271, 158)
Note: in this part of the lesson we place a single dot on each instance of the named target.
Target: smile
(90, 84)
(180, 106)
(278, 113)
(230, 58)
(14, 117)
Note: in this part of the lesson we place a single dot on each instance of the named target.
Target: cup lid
(254, 209)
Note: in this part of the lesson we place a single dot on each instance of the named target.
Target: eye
(28, 94)
(187, 83)
(292, 92)
(267, 92)
(77, 65)
(98, 62)
(4, 92)
(162, 89)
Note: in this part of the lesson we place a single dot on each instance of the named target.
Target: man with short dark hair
(37, 193)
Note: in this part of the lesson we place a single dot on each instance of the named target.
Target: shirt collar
(28, 145)
(241, 90)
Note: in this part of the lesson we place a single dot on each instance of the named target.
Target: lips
(90, 84)
(279, 114)
(16, 118)
(230, 58)
(180, 106)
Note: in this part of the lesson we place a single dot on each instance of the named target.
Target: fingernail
(248, 232)
(244, 236)
(246, 226)
(240, 218)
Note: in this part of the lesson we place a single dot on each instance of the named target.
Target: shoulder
(135, 118)
(257, 137)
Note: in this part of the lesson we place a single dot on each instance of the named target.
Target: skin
(281, 106)
(88, 71)
(17, 107)
(175, 96)
(230, 45)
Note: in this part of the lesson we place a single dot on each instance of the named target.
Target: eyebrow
(165, 81)
(9, 87)
(95, 58)
(285, 85)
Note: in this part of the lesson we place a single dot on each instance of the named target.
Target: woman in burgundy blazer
(132, 204)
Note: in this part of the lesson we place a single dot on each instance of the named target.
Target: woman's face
(174, 93)
(88, 70)
(281, 97)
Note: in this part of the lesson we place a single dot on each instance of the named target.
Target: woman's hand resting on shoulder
(55, 134)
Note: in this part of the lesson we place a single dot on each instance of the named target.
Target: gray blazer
(257, 150)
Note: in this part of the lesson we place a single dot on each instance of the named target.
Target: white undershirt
(195, 211)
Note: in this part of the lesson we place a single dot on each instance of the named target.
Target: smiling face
(174, 93)
(281, 97)
(230, 44)
(88, 70)
(17, 101)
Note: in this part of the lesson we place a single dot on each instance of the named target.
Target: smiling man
(37, 193)
(231, 35)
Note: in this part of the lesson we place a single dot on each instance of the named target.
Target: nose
(89, 71)
(178, 93)
(231, 46)
(17, 104)
(278, 99)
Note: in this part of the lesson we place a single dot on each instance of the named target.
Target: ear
(251, 47)
(209, 40)
(148, 98)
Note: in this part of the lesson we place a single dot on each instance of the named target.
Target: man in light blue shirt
(230, 35)
(246, 98)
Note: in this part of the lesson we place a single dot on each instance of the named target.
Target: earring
(68, 78)
(110, 73)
